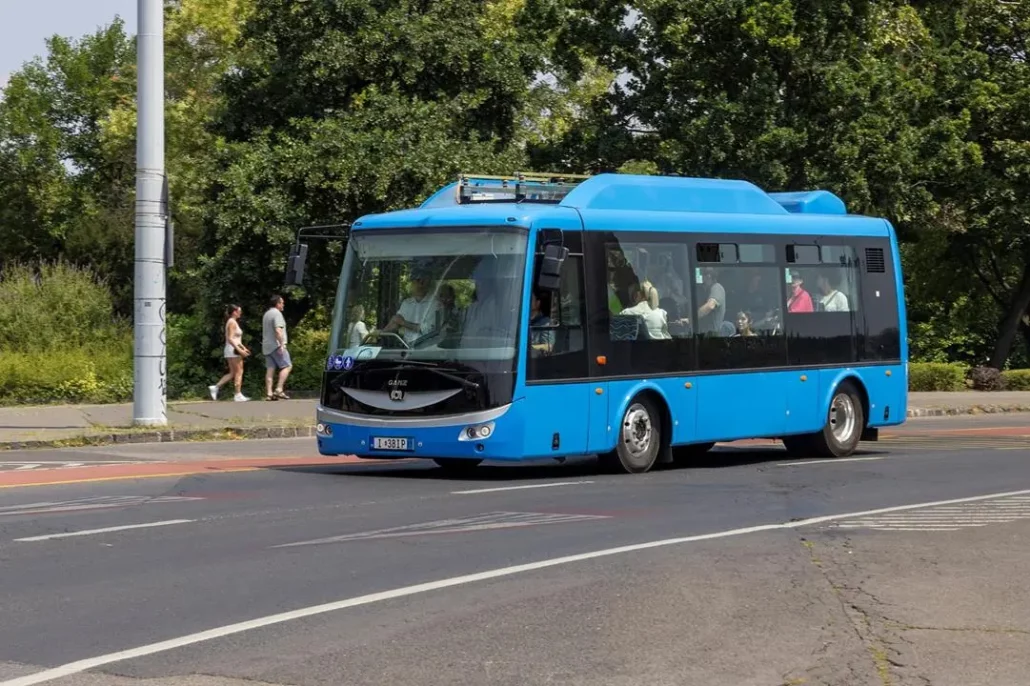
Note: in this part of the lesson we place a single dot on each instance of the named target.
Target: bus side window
(557, 338)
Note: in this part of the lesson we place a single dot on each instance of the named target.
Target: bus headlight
(324, 429)
(477, 432)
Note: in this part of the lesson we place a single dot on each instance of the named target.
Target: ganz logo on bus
(397, 389)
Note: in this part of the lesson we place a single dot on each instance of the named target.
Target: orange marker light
(602, 360)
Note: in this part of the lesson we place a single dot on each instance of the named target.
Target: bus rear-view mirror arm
(299, 251)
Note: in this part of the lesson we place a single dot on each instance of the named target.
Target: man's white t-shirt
(654, 318)
(834, 302)
(421, 312)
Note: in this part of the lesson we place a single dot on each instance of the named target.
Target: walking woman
(234, 353)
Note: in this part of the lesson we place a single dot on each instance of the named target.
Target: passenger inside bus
(655, 319)
(541, 326)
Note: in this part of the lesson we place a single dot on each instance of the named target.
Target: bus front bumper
(495, 434)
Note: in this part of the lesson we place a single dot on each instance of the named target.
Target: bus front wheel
(639, 441)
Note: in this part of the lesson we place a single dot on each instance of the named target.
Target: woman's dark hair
(229, 309)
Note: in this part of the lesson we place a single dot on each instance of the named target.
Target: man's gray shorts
(280, 359)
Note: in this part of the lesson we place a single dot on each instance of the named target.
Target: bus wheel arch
(643, 435)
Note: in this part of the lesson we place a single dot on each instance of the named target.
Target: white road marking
(484, 522)
(90, 532)
(220, 632)
(961, 516)
(521, 488)
(95, 503)
(802, 463)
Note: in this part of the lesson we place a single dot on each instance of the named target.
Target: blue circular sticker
(329, 363)
(337, 361)
(348, 363)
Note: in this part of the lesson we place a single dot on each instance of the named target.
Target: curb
(230, 433)
(965, 411)
(243, 433)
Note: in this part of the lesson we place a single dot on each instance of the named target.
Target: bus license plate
(380, 443)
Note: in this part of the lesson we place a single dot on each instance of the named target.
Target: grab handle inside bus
(549, 277)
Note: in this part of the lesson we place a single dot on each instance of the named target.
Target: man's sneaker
(240, 398)
(213, 390)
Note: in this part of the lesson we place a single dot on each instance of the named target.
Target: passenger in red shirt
(799, 300)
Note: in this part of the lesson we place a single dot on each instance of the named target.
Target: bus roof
(489, 200)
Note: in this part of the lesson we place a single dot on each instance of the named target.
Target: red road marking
(166, 469)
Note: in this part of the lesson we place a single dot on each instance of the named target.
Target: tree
(339, 109)
(913, 111)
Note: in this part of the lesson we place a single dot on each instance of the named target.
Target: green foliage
(79, 375)
(1016, 379)
(283, 114)
(934, 376)
(55, 308)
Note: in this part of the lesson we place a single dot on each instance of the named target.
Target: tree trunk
(1010, 324)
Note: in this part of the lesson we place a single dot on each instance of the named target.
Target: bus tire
(845, 421)
(456, 465)
(639, 440)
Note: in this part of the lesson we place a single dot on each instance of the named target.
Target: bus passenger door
(559, 395)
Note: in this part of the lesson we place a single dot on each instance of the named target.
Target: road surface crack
(866, 618)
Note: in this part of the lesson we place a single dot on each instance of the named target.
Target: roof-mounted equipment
(547, 188)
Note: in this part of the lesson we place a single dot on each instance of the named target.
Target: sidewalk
(74, 425)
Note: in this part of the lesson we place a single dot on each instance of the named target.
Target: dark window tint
(557, 335)
(649, 310)
(740, 312)
(882, 339)
(823, 312)
(803, 254)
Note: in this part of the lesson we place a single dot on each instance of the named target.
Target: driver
(417, 313)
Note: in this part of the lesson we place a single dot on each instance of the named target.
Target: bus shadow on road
(721, 457)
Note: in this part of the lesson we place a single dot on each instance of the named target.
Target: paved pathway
(33, 426)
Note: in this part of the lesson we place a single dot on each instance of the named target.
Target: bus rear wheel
(639, 441)
(456, 465)
(842, 431)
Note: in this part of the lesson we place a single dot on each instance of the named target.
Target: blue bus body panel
(810, 202)
(731, 406)
(810, 225)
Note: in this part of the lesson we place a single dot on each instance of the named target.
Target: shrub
(55, 307)
(935, 376)
(82, 375)
(986, 379)
(1017, 379)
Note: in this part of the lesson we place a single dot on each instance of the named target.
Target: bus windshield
(430, 295)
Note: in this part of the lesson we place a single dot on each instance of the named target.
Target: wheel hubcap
(637, 431)
(842, 418)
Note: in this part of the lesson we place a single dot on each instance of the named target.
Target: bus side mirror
(549, 278)
(295, 265)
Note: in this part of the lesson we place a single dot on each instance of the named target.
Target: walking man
(273, 346)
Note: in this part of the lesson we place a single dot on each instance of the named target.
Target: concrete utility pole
(149, 387)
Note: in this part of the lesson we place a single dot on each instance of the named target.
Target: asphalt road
(725, 578)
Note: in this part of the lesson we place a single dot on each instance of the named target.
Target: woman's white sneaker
(213, 390)
(240, 398)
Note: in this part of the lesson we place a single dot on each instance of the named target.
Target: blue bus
(642, 319)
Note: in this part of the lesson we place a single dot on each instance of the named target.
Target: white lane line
(521, 488)
(220, 632)
(802, 463)
(90, 532)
